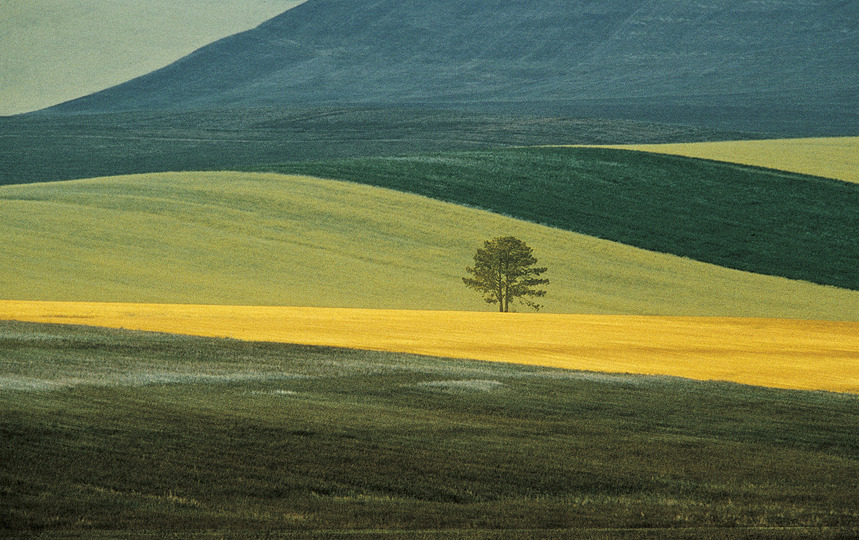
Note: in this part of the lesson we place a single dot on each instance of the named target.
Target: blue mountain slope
(777, 66)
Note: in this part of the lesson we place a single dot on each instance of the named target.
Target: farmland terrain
(751, 219)
(775, 67)
(41, 148)
(269, 239)
(316, 186)
(110, 433)
(749, 351)
(830, 157)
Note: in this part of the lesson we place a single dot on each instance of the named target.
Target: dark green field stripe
(740, 217)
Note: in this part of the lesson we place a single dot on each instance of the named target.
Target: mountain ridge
(748, 65)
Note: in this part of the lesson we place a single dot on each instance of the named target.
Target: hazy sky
(55, 50)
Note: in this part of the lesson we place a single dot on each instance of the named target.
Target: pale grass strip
(830, 157)
(781, 353)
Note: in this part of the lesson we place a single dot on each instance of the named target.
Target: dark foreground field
(113, 433)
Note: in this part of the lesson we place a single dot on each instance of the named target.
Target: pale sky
(55, 50)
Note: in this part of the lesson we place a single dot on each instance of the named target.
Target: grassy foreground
(812, 355)
(267, 239)
(829, 157)
(111, 433)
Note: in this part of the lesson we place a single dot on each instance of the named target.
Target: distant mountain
(776, 66)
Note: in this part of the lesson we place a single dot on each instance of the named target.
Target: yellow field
(830, 157)
(808, 355)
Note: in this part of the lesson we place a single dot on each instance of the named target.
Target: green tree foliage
(504, 270)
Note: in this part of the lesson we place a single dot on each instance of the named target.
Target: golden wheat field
(830, 157)
(780, 353)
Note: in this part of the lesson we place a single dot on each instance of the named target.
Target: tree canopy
(504, 270)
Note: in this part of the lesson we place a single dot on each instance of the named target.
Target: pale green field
(56, 50)
(830, 157)
(266, 239)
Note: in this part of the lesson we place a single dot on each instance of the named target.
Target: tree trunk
(505, 279)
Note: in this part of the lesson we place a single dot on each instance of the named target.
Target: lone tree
(504, 270)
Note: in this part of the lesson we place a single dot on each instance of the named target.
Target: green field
(109, 433)
(741, 217)
(267, 239)
(45, 147)
(185, 371)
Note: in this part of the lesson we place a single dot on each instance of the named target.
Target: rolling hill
(374, 144)
(268, 239)
(752, 219)
(43, 148)
(777, 67)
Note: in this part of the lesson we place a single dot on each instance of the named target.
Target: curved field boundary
(806, 355)
(736, 216)
(263, 239)
(829, 157)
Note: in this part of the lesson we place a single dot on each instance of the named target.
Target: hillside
(777, 67)
(57, 50)
(757, 220)
(266, 239)
(43, 148)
